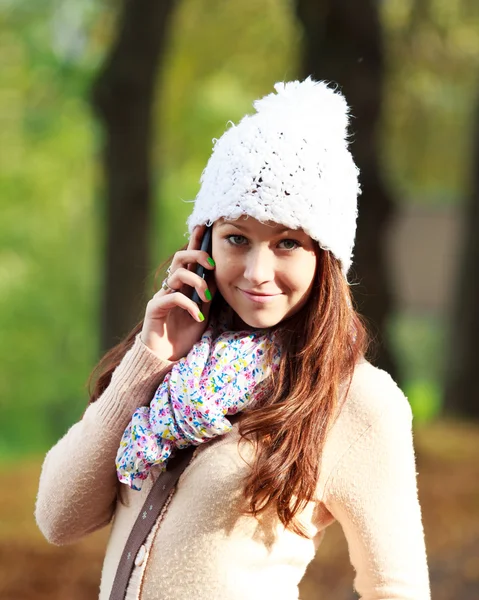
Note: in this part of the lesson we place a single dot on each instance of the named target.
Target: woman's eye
(236, 240)
(289, 244)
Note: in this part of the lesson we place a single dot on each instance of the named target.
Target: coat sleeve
(78, 482)
(373, 495)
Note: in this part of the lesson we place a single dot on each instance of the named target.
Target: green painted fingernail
(211, 261)
(207, 294)
(201, 316)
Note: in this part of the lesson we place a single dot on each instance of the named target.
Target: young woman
(322, 435)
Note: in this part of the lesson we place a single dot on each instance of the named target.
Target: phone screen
(200, 270)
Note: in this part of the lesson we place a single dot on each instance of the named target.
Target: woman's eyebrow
(224, 223)
(245, 229)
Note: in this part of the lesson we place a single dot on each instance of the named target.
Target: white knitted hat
(288, 163)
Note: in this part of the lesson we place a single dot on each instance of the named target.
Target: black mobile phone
(200, 269)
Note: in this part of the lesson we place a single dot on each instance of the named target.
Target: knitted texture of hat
(288, 163)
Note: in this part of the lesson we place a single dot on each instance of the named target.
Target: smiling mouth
(258, 297)
(253, 293)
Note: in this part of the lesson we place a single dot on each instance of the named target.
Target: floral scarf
(219, 376)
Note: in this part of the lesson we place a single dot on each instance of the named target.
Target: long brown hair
(321, 345)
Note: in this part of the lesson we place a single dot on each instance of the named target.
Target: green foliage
(419, 342)
(432, 60)
(424, 395)
(49, 229)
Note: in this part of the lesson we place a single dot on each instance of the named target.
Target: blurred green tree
(343, 43)
(462, 383)
(123, 98)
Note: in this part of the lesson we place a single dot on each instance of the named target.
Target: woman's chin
(255, 321)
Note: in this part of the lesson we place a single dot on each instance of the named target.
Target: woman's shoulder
(372, 399)
(372, 392)
(372, 410)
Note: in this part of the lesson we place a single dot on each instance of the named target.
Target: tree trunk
(462, 382)
(343, 44)
(123, 97)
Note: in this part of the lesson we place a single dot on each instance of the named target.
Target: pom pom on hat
(311, 103)
(288, 163)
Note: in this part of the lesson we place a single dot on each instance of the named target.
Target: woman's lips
(260, 298)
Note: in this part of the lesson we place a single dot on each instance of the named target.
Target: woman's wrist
(159, 349)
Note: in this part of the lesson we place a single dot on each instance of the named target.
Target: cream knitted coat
(204, 548)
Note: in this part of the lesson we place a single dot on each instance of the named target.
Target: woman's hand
(173, 323)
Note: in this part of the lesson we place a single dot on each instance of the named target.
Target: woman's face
(264, 271)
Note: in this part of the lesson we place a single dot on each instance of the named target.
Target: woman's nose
(259, 266)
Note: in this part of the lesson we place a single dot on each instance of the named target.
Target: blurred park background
(108, 111)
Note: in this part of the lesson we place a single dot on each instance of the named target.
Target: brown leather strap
(146, 519)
